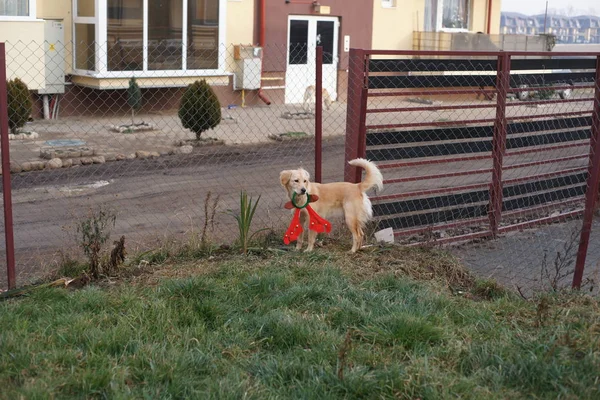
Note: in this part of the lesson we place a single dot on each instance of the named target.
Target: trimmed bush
(199, 109)
(19, 104)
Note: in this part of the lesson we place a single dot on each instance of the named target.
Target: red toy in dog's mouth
(316, 222)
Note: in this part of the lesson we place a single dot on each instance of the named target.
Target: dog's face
(295, 180)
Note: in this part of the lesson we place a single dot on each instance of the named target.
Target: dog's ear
(284, 177)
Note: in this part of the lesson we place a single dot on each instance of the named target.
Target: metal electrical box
(248, 67)
(54, 48)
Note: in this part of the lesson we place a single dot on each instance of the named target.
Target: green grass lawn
(324, 325)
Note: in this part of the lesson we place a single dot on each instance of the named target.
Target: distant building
(589, 29)
(579, 29)
(512, 23)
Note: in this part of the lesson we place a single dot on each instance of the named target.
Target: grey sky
(532, 7)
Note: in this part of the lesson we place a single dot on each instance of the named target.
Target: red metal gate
(492, 166)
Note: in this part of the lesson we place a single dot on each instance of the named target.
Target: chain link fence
(488, 160)
(94, 146)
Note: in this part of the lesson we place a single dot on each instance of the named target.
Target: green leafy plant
(94, 232)
(244, 220)
(545, 94)
(200, 109)
(19, 104)
(134, 98)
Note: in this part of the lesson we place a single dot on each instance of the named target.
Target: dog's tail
(373, 176)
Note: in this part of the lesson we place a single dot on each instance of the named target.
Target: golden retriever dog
(310, 97)
(341, 198)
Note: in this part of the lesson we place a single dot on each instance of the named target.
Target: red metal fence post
(319, 114)
(499, 141)
(6, 188)
(591, 194)
(354, 120)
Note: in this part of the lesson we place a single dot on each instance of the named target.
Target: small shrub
(94, 232)
(546, 94)
(210, 209)
(134, 98)
(199, 110)
(19, 104)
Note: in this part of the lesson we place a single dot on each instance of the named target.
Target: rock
(87, 152)
(67, 163)
(120, 157)
(185, 149)
(99, 160)
(55, 163)
(131, 156)
(15, 167)
(72, 153)
(48, 154)
(35, 165)
(142, 155)
(109, 156)
(155, 154)
(86, 160)
(76, 162)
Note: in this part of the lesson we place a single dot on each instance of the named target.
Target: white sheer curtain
(14, 8)
(455, 14)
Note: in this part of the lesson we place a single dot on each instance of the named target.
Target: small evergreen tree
(19, 104)
(200, 109)
(134, 98)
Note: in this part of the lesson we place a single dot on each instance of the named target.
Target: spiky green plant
(244, 220)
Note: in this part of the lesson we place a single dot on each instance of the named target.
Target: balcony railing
(462, 41)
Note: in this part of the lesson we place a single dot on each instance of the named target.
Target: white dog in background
(310, 98)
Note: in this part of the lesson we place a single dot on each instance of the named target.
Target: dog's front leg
(312, 238)
(300, 240)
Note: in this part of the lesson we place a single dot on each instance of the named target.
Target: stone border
(50, 152)
(57, 163)
(135, 128)
(203, 142)
(283, 137)
(298, 115)
(23, 136)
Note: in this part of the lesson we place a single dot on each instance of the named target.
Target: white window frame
(101, 21)
(31, 17)
(388, 3)
(90, 21)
